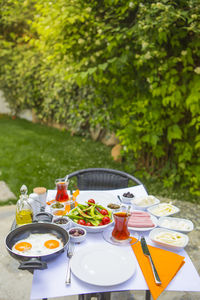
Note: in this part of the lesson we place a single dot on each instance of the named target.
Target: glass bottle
(24, 212)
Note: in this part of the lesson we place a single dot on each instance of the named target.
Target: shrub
(130, 66)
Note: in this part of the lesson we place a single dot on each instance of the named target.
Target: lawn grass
(35, 155)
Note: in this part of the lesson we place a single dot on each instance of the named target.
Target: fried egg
(38, 244)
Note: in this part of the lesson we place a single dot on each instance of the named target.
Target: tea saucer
(107, 235)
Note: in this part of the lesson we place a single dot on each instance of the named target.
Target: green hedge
(130, 66)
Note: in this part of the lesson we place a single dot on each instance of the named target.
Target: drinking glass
(120, 232)
(62, 195)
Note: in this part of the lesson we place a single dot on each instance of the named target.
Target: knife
(147, 253)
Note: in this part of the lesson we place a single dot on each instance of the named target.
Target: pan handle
(33, 264)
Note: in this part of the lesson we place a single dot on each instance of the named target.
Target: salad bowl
(91, 216)
(93, 229)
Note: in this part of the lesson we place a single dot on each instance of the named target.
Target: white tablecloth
(51, 282)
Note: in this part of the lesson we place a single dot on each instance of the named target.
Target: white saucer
(107, 235)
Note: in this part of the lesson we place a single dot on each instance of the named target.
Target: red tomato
(81, 222)
(91, 201)
(104, 212)
(101, 224)
(106, 220)
(88, 224)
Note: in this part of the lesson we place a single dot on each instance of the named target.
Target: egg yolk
(23, 246)
(51, 244)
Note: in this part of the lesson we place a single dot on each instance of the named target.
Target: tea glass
(62, 195)
(120, 232)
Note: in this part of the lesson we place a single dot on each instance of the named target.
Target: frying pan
(35, 262)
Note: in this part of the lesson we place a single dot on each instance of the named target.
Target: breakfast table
(51, 281)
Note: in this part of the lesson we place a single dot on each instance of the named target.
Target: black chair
(103, 179)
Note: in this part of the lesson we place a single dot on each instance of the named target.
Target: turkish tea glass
(62, 195)
(120, 232)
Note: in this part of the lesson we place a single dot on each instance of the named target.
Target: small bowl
(75, 234)
(63, 222)
(114, 209)
(127, 199)
(157, 231)
(59, 212)
(177, 224)
(163, 209)
(145, 202)
(56, 205)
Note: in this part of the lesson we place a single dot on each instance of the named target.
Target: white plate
(157, 231)
(103, 265)
(154, 220)
(165, 212)
(102, 198)
(136, 202)
(170, 223)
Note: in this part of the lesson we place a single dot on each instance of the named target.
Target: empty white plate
(103, 265)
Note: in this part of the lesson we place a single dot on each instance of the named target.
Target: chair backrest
(103, 179)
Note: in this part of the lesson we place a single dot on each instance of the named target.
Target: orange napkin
(167, 264)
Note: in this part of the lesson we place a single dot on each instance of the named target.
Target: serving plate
(103, 266)
(166, 209)
(170, 245)
(177, 224)
(154, 220)
(137, 202)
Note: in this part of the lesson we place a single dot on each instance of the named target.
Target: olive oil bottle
(24, 212)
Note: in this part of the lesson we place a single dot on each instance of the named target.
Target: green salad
(90, 214)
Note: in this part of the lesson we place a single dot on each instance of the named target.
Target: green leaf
(174, 132)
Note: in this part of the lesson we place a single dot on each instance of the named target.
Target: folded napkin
(167, 264)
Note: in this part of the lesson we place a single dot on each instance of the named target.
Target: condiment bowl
(177, 224)
(127, 197)
(163, 209)
(114, 207)
(63, 222)
(145, 202)
(168, 238)
(77, 234)
(56, 205)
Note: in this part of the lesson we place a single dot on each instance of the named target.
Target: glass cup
(62, 195)
(120, 232)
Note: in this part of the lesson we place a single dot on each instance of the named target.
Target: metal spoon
(119, 198)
